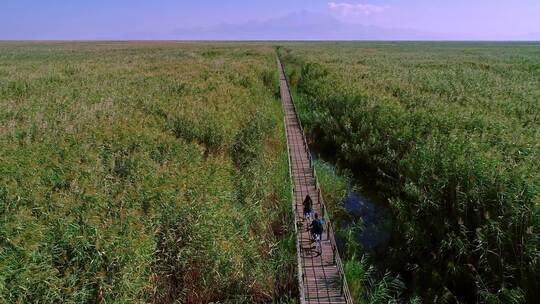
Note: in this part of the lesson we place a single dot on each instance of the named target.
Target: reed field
(157, 172)
(450, 133)
(143, 172)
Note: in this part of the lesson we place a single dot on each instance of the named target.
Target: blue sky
(292, 19)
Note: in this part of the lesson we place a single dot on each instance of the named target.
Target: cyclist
(316, 229)
(308, 207)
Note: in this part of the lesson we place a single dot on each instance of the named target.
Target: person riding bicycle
(316, 228)
(308, 207)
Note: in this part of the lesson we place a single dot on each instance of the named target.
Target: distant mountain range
(299, 26)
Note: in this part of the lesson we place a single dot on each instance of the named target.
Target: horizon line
(267, 40)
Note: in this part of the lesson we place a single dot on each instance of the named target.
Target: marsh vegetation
(122, 166)
(157, 172)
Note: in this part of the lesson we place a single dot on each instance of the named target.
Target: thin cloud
(352, 10)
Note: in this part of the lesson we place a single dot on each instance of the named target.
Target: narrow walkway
(320, 274)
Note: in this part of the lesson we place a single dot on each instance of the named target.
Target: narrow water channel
(363, 205)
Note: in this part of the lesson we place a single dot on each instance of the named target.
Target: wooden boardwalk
(320, 274)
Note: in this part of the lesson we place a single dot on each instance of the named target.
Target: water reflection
(372, 233)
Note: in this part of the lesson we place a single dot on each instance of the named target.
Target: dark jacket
(316, 226)
(308, 204)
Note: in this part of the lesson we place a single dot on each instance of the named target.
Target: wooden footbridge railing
(321, 278)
